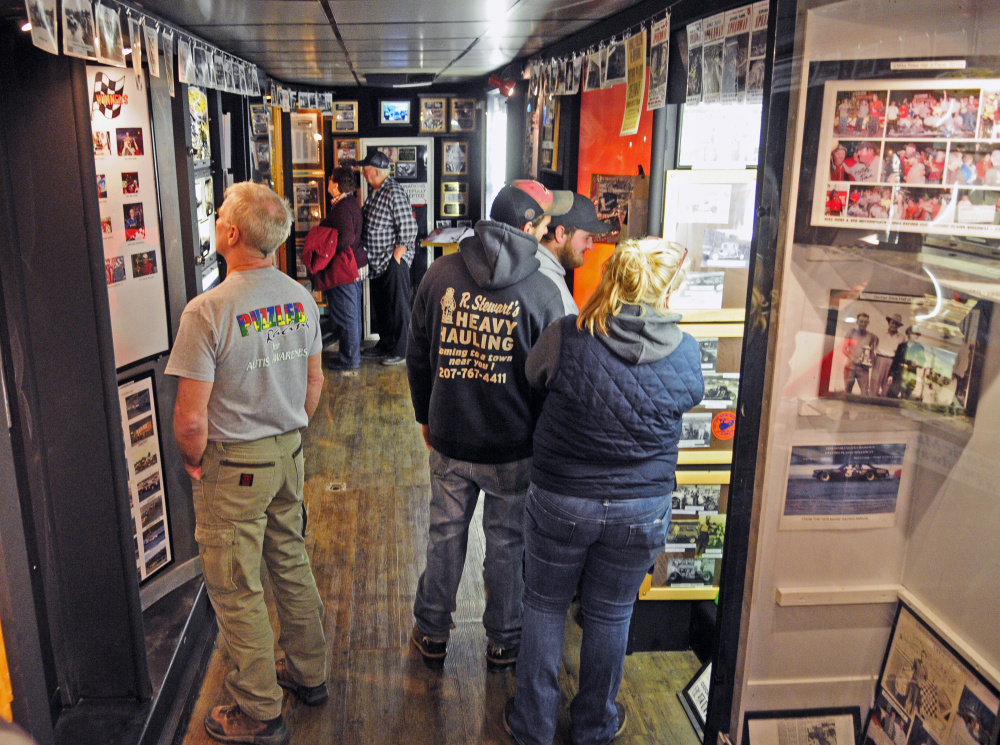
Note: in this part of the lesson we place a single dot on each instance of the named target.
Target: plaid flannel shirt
(388, 222)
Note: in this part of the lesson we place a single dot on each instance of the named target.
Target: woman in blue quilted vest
(616, 381)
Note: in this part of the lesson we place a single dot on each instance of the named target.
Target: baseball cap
(525, 200)
(582, 216)
(376, 159)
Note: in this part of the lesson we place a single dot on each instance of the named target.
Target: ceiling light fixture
(418, 84)
(506, 87)
(26, 26)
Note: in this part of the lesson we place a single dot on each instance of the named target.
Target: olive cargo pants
(248, 509)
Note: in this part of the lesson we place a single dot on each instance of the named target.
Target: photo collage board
(910, 155)
(144, 459)
(129, 211)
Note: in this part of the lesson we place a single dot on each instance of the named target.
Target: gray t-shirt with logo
(251, 337)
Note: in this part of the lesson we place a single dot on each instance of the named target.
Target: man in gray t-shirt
(248, 364)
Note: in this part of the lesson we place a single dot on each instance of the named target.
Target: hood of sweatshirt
(498, 255)
(638, 334)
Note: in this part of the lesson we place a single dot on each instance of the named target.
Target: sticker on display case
(906, 155)
(147, 491)
(890, 349)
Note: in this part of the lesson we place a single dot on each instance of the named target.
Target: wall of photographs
(130, 221)
(878, 476)
(146, 485)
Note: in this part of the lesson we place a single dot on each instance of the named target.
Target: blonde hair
(640, 272)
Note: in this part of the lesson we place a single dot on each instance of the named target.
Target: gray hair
(263, 218)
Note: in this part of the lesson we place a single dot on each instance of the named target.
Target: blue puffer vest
(609, 429)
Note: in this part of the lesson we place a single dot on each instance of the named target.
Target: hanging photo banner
(573, 84)
(735, 51)
(220, 71)
(168, 60)
(694, 39)
(616, 66)
(185, 62)
(147, 490)
(79, 29)
(126, 186)
(593, 80)
(659, 48)
(758, 50)
(714, 33)
(110, 46)
(135, 36)
(635, 51)
(42, 14)
(152, 39)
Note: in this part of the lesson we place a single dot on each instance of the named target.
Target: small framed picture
(454, 193)
(258, 119)
(463, 115)
(455, 156)
(432, 114)
(394, 111)
(830, 726)
(345, 150)
(345, 116)
(453, 210)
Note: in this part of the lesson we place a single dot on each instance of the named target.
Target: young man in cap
(387, 237)
(568, 238)
(476, 314)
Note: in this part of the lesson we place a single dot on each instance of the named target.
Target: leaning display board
(146, 487)
(130, 221)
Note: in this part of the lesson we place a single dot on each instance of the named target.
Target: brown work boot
(231, 724)
(309, 695)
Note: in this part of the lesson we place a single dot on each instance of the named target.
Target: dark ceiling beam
(336, 32)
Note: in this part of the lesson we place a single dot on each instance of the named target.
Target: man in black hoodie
(476, 315)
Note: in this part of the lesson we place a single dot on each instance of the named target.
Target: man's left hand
(397, 253)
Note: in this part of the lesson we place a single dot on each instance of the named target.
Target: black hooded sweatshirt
(476, 315)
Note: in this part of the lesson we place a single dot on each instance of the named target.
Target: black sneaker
(309, 695)
(622, 718)
(231, 724)
(374, 352)
(500, 658)
(394, 360)
(431, 650)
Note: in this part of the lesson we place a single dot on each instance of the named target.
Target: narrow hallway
(367, 541)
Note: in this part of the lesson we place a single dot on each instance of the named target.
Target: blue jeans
(345, 304)
(611, 544)
(455, 487)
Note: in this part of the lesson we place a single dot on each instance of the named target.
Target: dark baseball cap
(525, 200)
(582, 216)
(376, 159)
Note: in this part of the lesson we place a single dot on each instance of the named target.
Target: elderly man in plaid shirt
(387, 236)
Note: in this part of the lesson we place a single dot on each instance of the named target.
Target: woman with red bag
(337, 266)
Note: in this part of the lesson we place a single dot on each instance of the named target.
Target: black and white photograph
(690, 499)
(463, 115)
(168, 61)
(852, 485)
(185, 62)
(682, 533)
(616, 69)
(258, 119)
(204, 73)
(685, 572)
(455, 158)
(110, 46)
(828, 726)
(79, 29)
(151, 39)
(659, 48)
(592, 81)
(42, 15)
(694, 60)
(721, 390)
(711, 535)
(696, 430)
(725, 248)
(711, 72)
(709, 353)
(406, 171)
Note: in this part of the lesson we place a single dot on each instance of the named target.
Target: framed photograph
(345, 150)
(345, 116)
(307, 205)
(892, 349)
(455, 158)
(453, 209)
(694, 698)
(463, 115)
(258, 119)
(393, 112)
(928, 693)
(848, 481)
(832, 726)
(307, 150)
(432, 114)
(454, 193)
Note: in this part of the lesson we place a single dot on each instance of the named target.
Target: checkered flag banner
(108, 95)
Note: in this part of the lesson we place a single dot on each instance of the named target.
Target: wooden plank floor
(367, 546)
